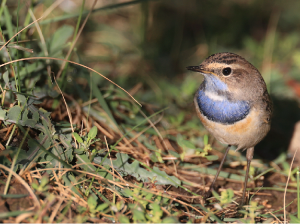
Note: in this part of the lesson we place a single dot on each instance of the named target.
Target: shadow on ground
(286, 114)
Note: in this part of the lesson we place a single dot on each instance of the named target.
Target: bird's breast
(218, 108)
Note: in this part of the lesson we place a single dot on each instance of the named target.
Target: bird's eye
(226, 71)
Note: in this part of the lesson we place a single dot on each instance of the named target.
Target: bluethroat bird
(233, 104)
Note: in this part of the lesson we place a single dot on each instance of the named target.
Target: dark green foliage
(122, 165)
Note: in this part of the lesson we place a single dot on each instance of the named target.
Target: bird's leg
(249, 157)
(208, 194)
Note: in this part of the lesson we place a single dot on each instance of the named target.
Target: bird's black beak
(195, 68)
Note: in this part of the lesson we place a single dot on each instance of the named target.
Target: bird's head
(228, 72)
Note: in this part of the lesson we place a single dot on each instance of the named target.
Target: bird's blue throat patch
(214, 103)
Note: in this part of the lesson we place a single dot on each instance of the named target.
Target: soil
(9, 204)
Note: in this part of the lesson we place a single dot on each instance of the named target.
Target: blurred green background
(145, 46)
(151, 43)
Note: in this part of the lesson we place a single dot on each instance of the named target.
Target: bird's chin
(204, 74)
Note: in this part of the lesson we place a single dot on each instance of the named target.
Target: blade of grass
(298, 194)
(263, 173)
(113, 147)
(59, 59)
(4, 215)
(287, 181)
(43, 42)
(3, 4)
(7, 42)
(273, 189)
(18, 66)
(14, 162)
(13, 35)
(212, 216)
(68, 183)
(64, 66)
(102, 102)
(13, 195)
(8, 21)
(9, 27)
(45, 150)
(108, 7)
(86, 163)
(142, 122)
(264, 215)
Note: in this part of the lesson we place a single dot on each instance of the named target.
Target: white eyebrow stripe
(224, 65)
(237, 66)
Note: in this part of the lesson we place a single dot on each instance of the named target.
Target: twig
(284, 199)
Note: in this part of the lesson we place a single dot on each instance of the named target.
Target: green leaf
(123, 219)
(156, 212)
(30, 69)
(170, 220)
(8, 21)
(163, 178)
(226, 196)
(5, 161)
(153, 157)
(92, 201)
(101, 207)
(97, 93)
(2, 114)
(26, 121)
(294, 219)
(148, 196)
(173, 153)
(212, 157)
(128, 192)
(138, 216)
(79, 151)
(34, 147)
(158, 155)
(205, 139)
(92, 133)
(87, 165)
(122, 165)
(77, 137)
(14, 195)
(210, 171)
(35, 186)
(4, 215)
(44, 180)
(6, 78)
(22, 99)
(67, 179)
(14, 113)
(180, 117)
(35, 115)
(59, 39)
(57, 155)
(184, 143)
